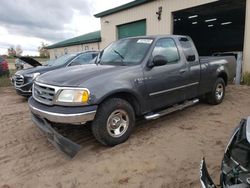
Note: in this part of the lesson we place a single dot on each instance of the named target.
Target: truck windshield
(61, 60)
(125, 52)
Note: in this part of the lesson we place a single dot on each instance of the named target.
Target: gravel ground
(160, 153)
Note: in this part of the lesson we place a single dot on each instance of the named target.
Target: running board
(171, 109)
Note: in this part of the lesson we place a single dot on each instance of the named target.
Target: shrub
(246, 78)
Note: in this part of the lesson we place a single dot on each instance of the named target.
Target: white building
(90, 41)
(215, 26)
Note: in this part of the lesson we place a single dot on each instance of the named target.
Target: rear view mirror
(159, 60)
(191, 58)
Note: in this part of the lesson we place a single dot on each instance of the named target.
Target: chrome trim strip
(27, 92)
(238, 164)
(64, 118)
(231, 139)
(172, 89)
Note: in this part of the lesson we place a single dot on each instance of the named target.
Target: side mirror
(159, 60)
(191, 58)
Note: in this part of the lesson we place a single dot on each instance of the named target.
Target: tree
(44, 53)
(19, 50)
(11, 51)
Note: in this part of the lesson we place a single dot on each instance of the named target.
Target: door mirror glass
(159, 60)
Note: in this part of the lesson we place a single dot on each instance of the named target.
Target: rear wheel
(114, 122)
(217, 95)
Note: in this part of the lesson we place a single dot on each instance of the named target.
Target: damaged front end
(62, 143)
(235, 166)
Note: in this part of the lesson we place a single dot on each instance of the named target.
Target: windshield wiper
(98, 59)
(121, 56)
(118, 53)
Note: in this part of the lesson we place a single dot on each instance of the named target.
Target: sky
(30, 22)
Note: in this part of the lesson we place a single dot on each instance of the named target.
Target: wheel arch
(224, 76)
(126, 95)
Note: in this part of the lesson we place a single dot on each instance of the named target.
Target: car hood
(30, 61)
(39, 69)
(76, 75)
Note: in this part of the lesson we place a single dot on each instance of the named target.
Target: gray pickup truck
(147, 76)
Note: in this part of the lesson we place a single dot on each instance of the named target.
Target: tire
(218, 93)
(107, 127)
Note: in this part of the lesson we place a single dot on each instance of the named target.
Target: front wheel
(216, 96)
(114, 122)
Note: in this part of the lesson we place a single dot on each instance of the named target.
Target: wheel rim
(117, 123)
(219, 91)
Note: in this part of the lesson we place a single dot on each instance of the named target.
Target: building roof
(82, 39)
(122, 7)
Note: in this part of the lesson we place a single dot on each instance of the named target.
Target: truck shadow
(82, 134)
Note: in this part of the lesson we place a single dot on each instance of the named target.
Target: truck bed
(230, 62)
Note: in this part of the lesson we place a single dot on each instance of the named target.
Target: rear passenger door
(165, 84)
(193, 67)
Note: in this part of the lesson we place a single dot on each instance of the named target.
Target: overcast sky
(30, 22)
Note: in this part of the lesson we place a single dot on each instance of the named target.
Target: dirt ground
(161, 153)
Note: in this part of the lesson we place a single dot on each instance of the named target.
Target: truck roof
(159, 36)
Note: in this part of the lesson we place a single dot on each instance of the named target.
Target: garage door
(132, 29)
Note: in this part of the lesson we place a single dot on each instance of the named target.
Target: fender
(222, 71)
(124, 93)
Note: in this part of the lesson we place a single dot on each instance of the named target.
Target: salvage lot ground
(161, 153)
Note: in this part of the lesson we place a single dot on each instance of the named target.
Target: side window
(167, 48)
(82, 59)
(187, 47)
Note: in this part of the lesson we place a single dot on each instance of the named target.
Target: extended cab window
(187, 47)
(167, 48)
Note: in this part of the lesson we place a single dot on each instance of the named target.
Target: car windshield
(125, 52)
(61, 60)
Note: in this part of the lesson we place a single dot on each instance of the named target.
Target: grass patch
(5, 80)
(246, 78)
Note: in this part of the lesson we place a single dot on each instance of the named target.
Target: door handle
(183, 70)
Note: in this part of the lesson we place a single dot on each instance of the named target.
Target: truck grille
(43, 94)
(18, 80)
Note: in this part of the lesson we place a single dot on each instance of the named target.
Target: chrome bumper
(69, 118)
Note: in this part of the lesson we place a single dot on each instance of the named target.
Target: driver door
(165, 85)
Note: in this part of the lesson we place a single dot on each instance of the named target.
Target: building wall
(246, 55)
(164, 26)
(146, 11)
(57, 52)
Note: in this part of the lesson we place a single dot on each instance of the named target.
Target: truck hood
(76, 75)
(30, 61)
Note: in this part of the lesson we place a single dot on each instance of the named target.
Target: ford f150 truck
(146, 76)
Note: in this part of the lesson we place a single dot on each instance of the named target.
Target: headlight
(73, 96)
(33, 75)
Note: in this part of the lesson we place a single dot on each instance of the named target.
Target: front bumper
(60, 142)
(42, 115)
(25, 90)
(62, 114)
